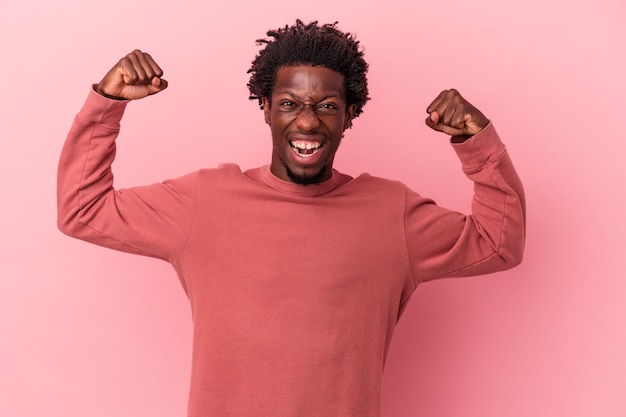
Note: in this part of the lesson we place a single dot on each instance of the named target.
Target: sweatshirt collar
(327, 186)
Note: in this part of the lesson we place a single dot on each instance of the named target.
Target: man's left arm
(445, 243)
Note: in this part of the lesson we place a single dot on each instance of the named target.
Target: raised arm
(151, 220)
(445, 243)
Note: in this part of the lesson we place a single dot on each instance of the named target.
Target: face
(307, 115)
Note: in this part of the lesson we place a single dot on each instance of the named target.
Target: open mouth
(305, 148)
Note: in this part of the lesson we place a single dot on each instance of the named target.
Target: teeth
(299, 144)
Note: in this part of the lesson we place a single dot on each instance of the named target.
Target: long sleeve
(152, 220)
(445, 243)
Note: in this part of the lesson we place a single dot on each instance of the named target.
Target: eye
(288, 103)
(327, 108)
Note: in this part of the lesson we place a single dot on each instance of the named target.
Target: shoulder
(372, 182)
(205, 176)
(388, 191)
(382, 190)
(226, 170)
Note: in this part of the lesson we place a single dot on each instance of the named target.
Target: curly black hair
(312, 44)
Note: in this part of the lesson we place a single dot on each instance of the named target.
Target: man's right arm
(151, 220)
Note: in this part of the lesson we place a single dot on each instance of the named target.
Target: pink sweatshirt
(295, 291)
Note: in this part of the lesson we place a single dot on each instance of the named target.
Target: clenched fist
(451, 114)
(135, 76)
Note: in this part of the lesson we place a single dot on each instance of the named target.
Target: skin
(451, 114)
(134, 77)
(307, 107)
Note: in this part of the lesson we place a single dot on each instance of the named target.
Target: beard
(305, 179)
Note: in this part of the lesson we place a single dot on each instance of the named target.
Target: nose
(307, 119)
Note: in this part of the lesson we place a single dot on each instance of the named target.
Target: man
(296, 273)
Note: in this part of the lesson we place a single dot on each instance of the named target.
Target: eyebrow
(296, 96)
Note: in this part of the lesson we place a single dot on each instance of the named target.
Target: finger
(147, 66)
(436, 102)
(129, 70)
(157, 85)
(432, 123)
(134, 59)
(448, 113)
(458, 112)
(460, 117)
(443, 107)
(441, 127)
(448, 130)
(156, 69)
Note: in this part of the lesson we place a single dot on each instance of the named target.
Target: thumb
(157, 85)
(434, 122)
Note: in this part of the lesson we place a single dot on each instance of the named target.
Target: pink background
(86, 331)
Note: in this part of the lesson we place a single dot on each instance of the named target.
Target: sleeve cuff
(102, 110)
(480, 148)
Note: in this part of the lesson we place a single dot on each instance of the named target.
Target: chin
(304, 179)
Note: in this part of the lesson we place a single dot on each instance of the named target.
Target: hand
(135, 76)
(453, 115)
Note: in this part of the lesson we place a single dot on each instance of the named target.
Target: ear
(349, 116)
(266, 110)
